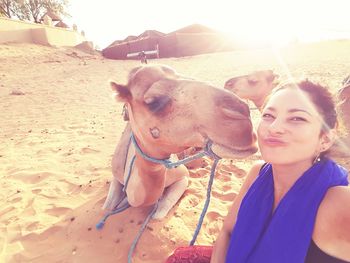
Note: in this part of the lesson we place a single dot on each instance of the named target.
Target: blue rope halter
(168, 163)
(207, 151)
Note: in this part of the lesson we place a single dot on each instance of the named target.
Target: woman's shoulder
(332, 226)
(335, 206)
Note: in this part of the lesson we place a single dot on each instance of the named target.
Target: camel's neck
(259, 103)
(147, 176)
(154, 169)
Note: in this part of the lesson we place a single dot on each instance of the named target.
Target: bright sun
(280, 22)
(275, 22)
(253, 22)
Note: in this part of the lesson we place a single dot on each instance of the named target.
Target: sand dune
(59, 128)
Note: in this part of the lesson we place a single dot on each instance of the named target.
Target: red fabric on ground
(191, 254)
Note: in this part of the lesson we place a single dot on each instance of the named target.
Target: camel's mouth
(235, 152)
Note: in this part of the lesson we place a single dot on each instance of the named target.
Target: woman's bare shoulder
(335, 207)
(332, 227)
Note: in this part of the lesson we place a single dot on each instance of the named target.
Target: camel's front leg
(121, 160)
(115, 194)
(171, 195)
(177, 182)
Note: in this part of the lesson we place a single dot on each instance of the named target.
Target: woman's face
(290, 128)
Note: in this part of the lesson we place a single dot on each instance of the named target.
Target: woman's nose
(276, 127)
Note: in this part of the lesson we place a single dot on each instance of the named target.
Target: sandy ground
(60, 125)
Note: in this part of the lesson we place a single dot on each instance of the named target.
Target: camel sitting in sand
(169, 113)
(255, 86)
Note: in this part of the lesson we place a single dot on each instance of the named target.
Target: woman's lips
(274, 142)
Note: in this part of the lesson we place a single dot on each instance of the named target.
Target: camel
(255, 86)
(344, 102)
(169, 113)
(343, 96)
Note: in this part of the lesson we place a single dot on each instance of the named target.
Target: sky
(274, 21)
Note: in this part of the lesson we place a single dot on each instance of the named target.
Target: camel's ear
(120, 92)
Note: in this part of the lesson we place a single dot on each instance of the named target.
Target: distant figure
(143, 57)
(47, 20)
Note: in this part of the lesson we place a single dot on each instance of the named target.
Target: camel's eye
(157, 104)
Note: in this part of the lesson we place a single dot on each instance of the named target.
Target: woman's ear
(327, 140)
(120, 92)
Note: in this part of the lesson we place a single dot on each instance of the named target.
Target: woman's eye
(297, 119)
(267, 116)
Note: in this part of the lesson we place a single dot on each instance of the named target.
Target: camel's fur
(344, 106)
(168, 114)
(342, 148)
(255, 86)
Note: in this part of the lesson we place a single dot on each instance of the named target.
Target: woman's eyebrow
(296, 110)
(270, 108)
(289, 111)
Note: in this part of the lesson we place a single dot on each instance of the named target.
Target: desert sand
(60, 125)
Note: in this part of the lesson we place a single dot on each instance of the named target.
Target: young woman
(294, 207)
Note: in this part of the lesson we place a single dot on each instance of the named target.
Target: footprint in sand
(36, 191)
(32, 178)
(214, 215)
(224, 176)
(33, 226)
(58, 211)
(233, 169)
(7, 210)
(73, 127)
(192, 201)
(15, 200)
(226, 188)
(225, 196)
(214, 226)
(86, 150)
(200, 172)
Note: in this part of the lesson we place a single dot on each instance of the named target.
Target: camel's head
(255, 86)
(169, 113)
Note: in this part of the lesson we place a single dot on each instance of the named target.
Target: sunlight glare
(273, 22)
